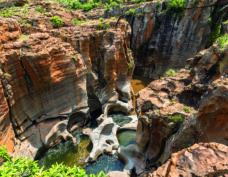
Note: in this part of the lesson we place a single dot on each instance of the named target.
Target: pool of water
(67, 154)
(106, 164)
(139, 83)
(126, 137)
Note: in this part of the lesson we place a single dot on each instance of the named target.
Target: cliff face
(186, 108)
(52, 79)
(164, 41)
(160, 40)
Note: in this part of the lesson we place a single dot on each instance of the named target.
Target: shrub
(114, 4)
(102, 26)
(40, 9)
(28, 168)
(187, 109)
(4, 153)
(170, 72)
(130, 12)
(77, 22)
(223, 41)
(176, 118)
(101, 19)
(87, 7)
(57, 22)
(176, 6)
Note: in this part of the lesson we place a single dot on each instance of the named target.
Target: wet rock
(104, 139)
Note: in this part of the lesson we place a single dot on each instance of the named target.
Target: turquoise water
(126, 137)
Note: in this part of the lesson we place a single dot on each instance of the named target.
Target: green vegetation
(130, 12)
(28, 168)
(176, 6)
(171, 102)
(57, 22)
(8, 12)
(170, 72)
(101, 19)
(176, 118)
(74, 58)
(40, 9)
(102, 26)
(187, 109)
(23, 37)
(223, 41)
(4, 153)
(78, 22)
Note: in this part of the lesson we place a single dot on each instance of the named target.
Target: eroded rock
(204, 159)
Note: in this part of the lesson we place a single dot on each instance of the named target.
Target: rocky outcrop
(52, 79)
(204, 159)
(183, 109)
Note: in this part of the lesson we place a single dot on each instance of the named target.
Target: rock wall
(52, 79)
(162, 41)
(183, 109)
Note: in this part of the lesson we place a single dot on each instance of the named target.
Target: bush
(28, 168)
(102, 26)
(101, 19)
(176, 118)
(4, 153)
(170, 72)
(187, 109)
(130, 12)
(176, 6)
(40, 9)
(57, 22)
(223, 41)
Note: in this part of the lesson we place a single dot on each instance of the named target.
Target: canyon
(61, 83)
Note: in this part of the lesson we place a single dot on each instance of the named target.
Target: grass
(223, 41)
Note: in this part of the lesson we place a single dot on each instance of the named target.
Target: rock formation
(52, 79)
(185, 108)
(205, 159)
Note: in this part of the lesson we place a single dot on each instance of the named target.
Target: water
(106, 164)
(139, 83)
(126, 137)
(67, 154)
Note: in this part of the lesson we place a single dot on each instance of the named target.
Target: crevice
(27, 79)
(14, 126)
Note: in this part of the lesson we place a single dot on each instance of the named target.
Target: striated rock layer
(52, 79)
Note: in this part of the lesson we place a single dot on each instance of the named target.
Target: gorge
(147, 96)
